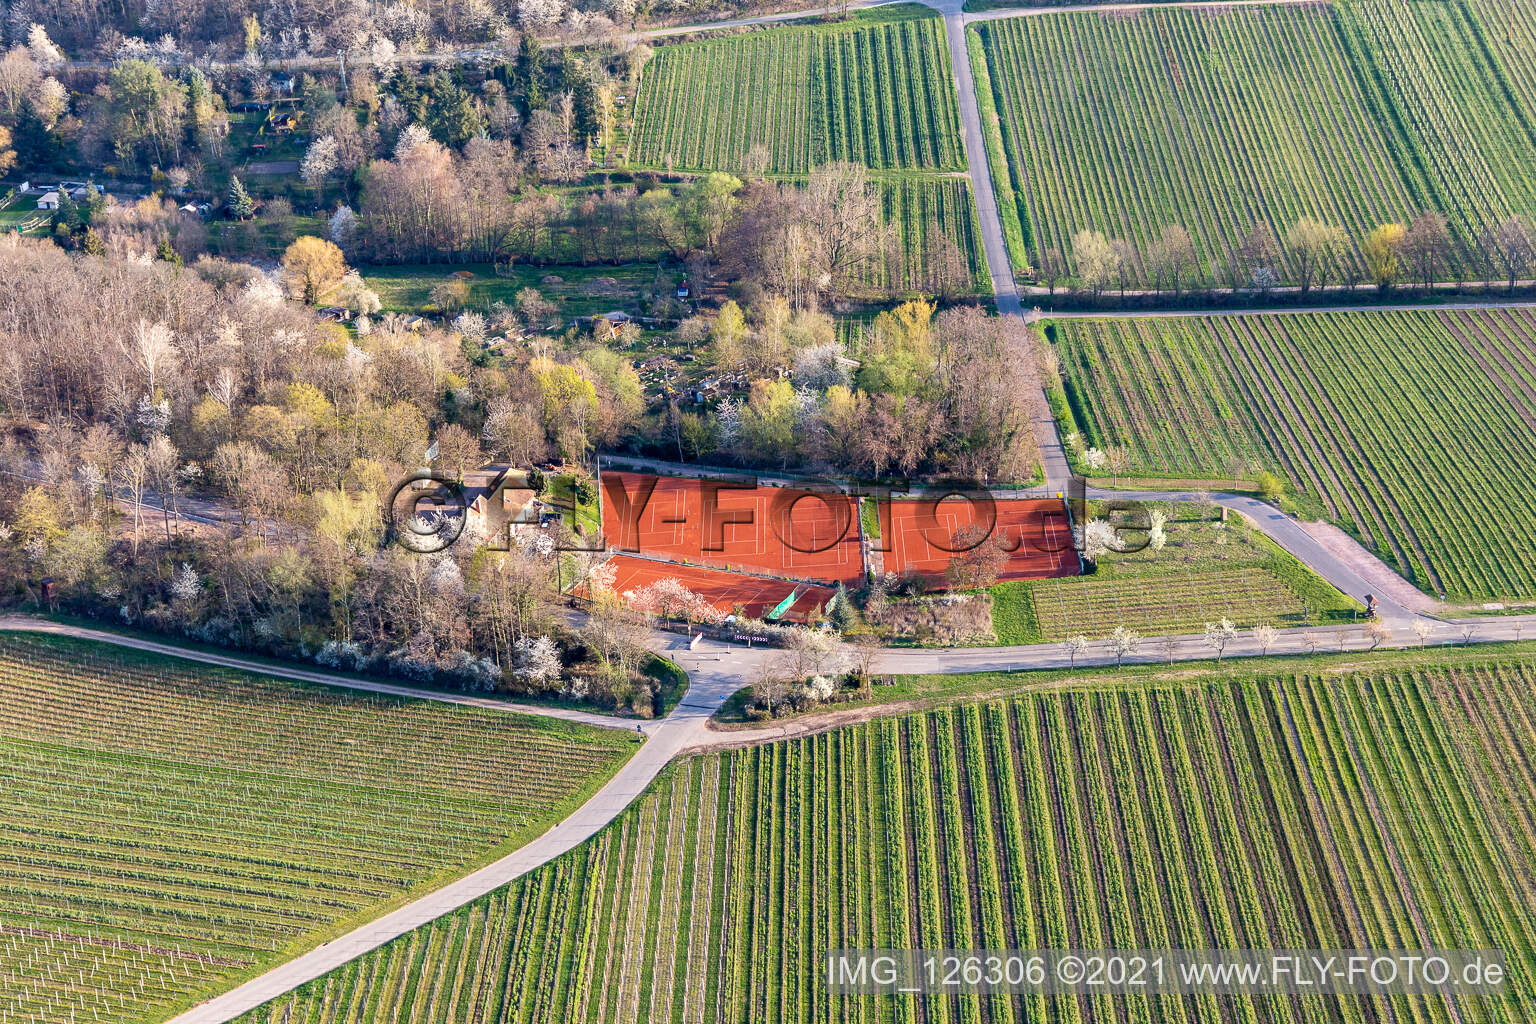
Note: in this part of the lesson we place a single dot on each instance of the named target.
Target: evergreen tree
(239, 203)
(164, 250)
(35, 145)
(840, 610)
(67, 215)
(411, 97)
(530, 72)
(583, 85)
(455, 117)
(92, 205)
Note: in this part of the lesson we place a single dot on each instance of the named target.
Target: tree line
(1310, 255)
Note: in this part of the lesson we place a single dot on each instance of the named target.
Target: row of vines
(1416, 429)
(1258, 814)
(167, 827)
(877, 94)
(1225, 119)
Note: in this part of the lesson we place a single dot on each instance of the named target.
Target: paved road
(716, 671)
(1377, 307)
(713, 678)
(1004, 290)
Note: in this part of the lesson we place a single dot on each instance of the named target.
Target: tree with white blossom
(186, 586)
(1122, 641)
(539, 16)
(1098, 539)
(1218, 635)
(320, 161)
(536, 660)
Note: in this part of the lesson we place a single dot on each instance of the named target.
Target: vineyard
(879, 94)
(937, 241)
(1208, 569)
(1473, 143)
(168, 828)
(1126, 124)
(1169, 605)
(1508, 29)
(1384, 811)
(876, 90)
(1417, 430)
(1356, 114)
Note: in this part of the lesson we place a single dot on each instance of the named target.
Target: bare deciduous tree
(1427, 246)
(133, 475)
(1512, 245)
(1171, 259)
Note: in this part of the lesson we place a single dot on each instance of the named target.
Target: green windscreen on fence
(784, 605)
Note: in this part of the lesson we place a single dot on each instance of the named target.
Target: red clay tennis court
(725, 590)
(775, 530)
(924, 535)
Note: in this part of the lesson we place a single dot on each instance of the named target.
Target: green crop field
(1508, 29)
(1474, 143)
(1218, 120)
(879, 93)
(168, 828)
(1383, 810)
(1214, 121)
(1208, 569)
(937, 240)
(1415, 429)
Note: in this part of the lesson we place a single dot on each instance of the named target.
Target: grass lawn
(578, 291)
(673, 681)
(269, 237)
(869, 517)
(582, 516)
(1207, 570)
(20, 213)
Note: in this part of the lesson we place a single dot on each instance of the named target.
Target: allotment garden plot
(168, 827)
(1388, 810)
(1417, 430)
